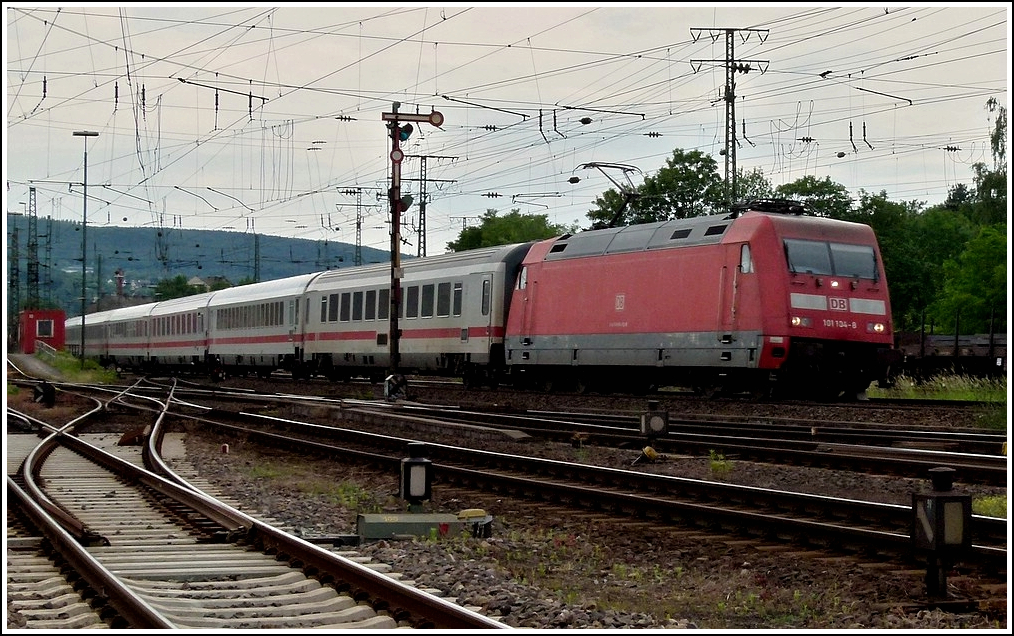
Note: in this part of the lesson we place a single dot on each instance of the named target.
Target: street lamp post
(84, 236)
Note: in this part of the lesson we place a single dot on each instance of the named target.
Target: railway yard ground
(545, 566)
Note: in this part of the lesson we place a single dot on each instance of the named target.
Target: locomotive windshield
(831, 259)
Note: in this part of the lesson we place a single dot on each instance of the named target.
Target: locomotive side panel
(659, 313)
(620, 307)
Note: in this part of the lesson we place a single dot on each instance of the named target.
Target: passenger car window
(427, 300)
(444, 299)
(412, 302)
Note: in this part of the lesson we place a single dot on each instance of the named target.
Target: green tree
(823, 197)
(929, 240)
(752, 185)
(959, 197)
(991, 185)
(513, 227)
(975, 284)
(175, 287)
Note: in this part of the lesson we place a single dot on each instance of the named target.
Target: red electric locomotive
(762, 300)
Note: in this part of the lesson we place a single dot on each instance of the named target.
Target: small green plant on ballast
(990, 506)
(720, 466)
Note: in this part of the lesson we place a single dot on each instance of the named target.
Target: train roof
(701, 230)
(511, 253)
(132, 312)
(267, 290)
(74, 321)
(183, 303)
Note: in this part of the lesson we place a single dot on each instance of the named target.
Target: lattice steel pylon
(32, 275)
(13, 287)
(732, 66)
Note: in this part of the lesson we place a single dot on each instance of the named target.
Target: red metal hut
(41, 325)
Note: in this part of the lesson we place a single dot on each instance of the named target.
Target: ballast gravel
(544, 568)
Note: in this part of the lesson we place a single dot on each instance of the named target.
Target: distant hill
(147, 257)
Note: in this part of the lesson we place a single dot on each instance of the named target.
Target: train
(764, 299)
(926, 355)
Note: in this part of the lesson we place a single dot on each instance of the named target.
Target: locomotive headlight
(834, 283)
(800, 321)
(875, 327)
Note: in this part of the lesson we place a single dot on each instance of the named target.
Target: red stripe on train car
(284, 338)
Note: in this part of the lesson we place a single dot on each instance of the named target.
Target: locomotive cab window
(830, 259)
(808, 257)
(856, 261)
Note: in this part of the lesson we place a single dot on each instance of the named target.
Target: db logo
(839, 304)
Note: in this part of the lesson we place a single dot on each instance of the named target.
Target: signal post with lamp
(399, 204)
(941, 529)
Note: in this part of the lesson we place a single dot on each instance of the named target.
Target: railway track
(156, 553)
(554, 503)
(877, 449)
(452, 390)
(817, 527)
(622, 490)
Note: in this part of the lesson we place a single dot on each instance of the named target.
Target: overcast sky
(269, 119)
